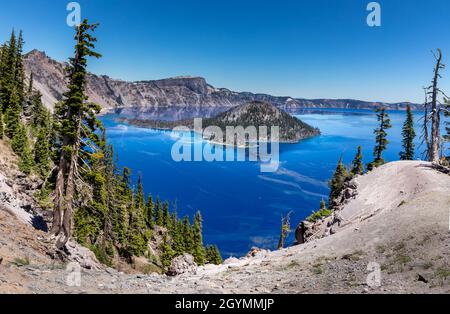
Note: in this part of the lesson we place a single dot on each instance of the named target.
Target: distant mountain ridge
(185, 91)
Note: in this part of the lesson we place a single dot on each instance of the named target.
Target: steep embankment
(143, 96)
(398, 221)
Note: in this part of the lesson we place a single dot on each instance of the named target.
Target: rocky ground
(394, 238)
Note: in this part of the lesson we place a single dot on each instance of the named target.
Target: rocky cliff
(143, 96)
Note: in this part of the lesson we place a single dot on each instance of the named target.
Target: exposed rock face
(17, 191)
(307, 231)
(184, 264)
(194, 92)
(17, 198)
(81, 255)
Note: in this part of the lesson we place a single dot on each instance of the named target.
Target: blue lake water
(241, 206)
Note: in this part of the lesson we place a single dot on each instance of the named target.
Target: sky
(298, 48)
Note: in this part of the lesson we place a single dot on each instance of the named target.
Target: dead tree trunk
(58, 210)
(435, 111)
(425, 135)
(285, 230)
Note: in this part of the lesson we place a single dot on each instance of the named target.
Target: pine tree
(76, 120)
(178, 238)
(12, 115)
(213, 255)
(159, 216)
(26, 160)
(323, 205)
(121, 216)
(140, 198)
(1, 126)
(188, 236)
(337, 182)
(198, 250)
(357, 164)
(150, 212)
(20, 69)
(111, 197)
(21, 146)
(8, 71)
(167, 253)
(40, 116)
(42, 152)
(30, 85)
(174, 217)
(166, 219)
(380, 138)
(89, 219)
(409, 135)
(19, 140)
(138, 232)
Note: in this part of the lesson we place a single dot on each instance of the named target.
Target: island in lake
(252, 114)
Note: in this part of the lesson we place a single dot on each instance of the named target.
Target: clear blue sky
(311, 49)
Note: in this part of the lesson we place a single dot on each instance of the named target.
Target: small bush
(321, 214)
(21, 261)
(442, 273)
(317, 269)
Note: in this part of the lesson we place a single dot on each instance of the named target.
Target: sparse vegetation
(293, 264)
(317, 269)
(428, 265)
(21, 261)
(355, 256)
(322, 213)
(402, 259)
(442, 274)
(380, 249)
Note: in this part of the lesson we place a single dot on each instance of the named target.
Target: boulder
(73, 252)
(182, 264)
(303, 232)
(253, 252)
(230, 260)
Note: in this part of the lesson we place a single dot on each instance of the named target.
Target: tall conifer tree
(357, 164)
(20, 69)
(12, 115)
(8, 70)
(199, 250)
(381, 140)
(409, 134)
(150, 212)
(2, 128)
(76, 120)
(337, 181)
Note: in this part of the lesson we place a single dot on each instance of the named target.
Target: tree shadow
(39, 223)
(436, 167)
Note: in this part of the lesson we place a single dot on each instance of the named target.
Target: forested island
(253, 114)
